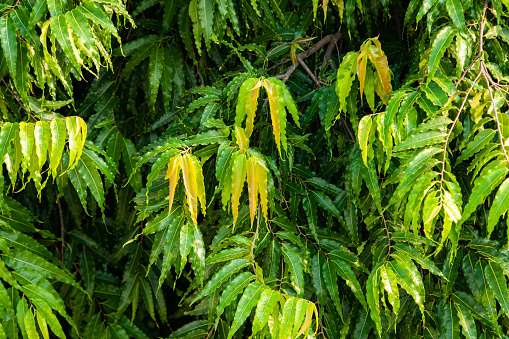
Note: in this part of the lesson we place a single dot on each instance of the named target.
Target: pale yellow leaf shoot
(241, 137)
(362, 61)
(251, 101)
(193, 182)
(274, 111)
(173, 174)
(378, 58)
(252, 186)
(239, 170)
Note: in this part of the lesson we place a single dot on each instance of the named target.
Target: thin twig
(14, 95)
(308, 71)
(483, 72)
(310, 51)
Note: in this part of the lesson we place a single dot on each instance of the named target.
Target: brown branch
(308, 71)
(14, 95)
(310, 51)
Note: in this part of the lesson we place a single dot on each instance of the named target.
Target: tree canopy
(254, 168)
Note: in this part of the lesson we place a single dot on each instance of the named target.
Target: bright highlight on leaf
(280, 101)
(192, 177)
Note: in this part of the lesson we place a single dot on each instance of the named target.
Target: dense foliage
(262, 168)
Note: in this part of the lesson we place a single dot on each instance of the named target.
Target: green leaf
(421, 140)
(363, 136)
(264, 308)
(498, 284)
(232, 290)
(331, 282)
(499, 207)
(293, 260)
(409, 278)
(246, 303)
(58, 136)
(479, 142)
(309, 205)
(345, 272)
(317, 277)
(87, 269)
(156, 68)
(455, 11)
(490, 178)
(7, 135)
(9, 45)
(419, 258)
(59, 27)
(392, 108)
(206, 19)
(389, 281)
(466, 321)
(186, 241)
(92, 178)
(372, 290)
(441, 42)
(20, 258)
(222, 275)
(450, 321)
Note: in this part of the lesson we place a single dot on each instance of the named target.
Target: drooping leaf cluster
(254, 168)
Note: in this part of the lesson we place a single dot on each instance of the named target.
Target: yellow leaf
(173, 174)
(252, 187)
(307, 319)
(242, 140)
(251, 103)
(261, 176)
(274, 111)
(238, 178)
(189, 176)
(200, 182)
(325, 4)
(378, 58)
(362, 61)
(293, 55)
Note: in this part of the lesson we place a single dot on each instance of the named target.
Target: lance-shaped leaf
(186, 241)
(442, 41)
(419, 258)
(455, 11)
(222, 275)
(372, 296)
(363, 137)
(466, 321)
(499, 206)
(491, 176)
(77, 134)
(497, 281)
(289, 311)
(246, 303)
(345, 272)
(389, 281)
(58, 137)
(479, 142)
(345, 77)
(378, 58)
(408, 278)
(262, 174)
(264, 308)
(42, 141)
(421, 140)
(7, 136)
(92, 178)
(239, 172)
(172, 174)
(156, 66)
(293, 260)
(450, 321)
(278, 124)
(59, 27)
(8, 37)
(252, 185)
(331, 282)
(232, 290)
(27, 140)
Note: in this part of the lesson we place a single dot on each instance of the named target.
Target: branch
(332, 38)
